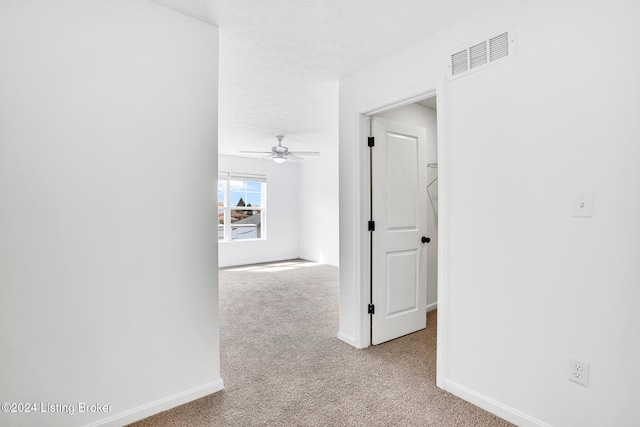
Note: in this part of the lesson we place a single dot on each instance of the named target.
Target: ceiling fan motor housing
(279, 149)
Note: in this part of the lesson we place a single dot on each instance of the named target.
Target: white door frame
(422, 91)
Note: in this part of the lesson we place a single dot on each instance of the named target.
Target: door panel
(402, 296)
(402, 207)
(399, 202)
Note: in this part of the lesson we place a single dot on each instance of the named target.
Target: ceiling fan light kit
(279, 153)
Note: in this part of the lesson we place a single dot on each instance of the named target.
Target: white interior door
(399, 205)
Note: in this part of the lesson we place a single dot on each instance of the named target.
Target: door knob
(425, 239)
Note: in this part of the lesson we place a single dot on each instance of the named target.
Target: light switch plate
(582, 205)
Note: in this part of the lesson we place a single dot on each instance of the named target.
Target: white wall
(282, 218)
(319, 213)
(528, 285)
(417, 115)
(108, 147)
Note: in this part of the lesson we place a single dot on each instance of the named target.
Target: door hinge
(372, 226)
(371, 309)
(370, 141)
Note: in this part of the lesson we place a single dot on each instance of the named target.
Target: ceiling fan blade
(280, 153)
(305, 153)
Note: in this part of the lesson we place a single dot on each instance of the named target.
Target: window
(241, 206)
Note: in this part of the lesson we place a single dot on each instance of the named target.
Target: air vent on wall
(482, 54)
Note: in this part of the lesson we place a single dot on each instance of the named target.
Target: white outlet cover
(578, 372)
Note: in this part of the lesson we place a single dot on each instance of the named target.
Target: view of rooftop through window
(240, 206)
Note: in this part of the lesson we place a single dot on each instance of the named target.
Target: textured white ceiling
(280, 60)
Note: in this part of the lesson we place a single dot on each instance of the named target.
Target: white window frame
(227, 177)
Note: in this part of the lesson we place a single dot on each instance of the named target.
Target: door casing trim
(424, 90)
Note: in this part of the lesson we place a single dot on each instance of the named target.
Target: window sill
(242, 241)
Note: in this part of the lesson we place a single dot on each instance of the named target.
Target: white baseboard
(500, 409)
(254, 260)
(432, 306)
(144, 411)
(347, 339)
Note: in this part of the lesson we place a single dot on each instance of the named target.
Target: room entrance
(403, 223)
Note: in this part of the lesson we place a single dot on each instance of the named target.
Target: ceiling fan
(279, 153)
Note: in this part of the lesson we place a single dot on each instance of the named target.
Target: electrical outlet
(579, 372)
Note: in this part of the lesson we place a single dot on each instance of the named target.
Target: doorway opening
(434, 91)
(403, 224)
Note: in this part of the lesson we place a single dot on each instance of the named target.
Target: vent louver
(478, 55)
(459, 62)
(482, 54)
(499, 47)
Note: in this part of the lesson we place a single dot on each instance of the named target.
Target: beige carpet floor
(283, 365)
